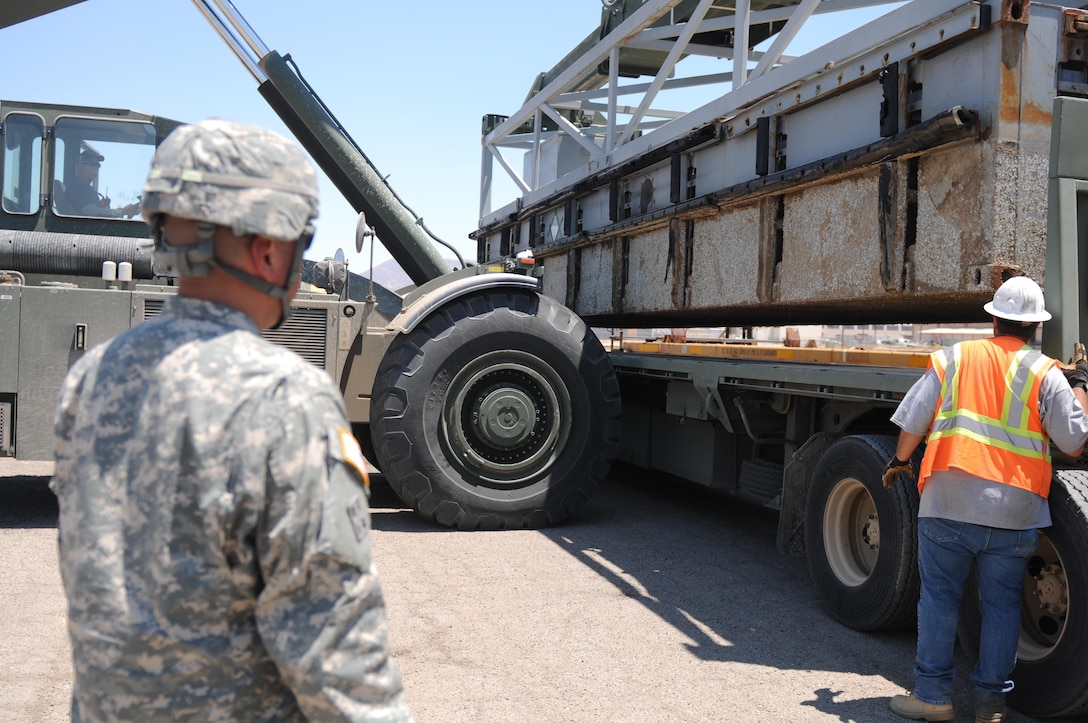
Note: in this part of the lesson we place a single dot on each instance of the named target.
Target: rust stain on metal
(1009, 103)
(1000, 273)
(1074, 41)
(1015, 11)
(1033, 114)
(1074, 22)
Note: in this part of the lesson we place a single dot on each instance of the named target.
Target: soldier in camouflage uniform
(214, 527)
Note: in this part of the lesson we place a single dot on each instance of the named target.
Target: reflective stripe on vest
(1011, 435)
(1006, 446)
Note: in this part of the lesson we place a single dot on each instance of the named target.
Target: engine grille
(305, 332)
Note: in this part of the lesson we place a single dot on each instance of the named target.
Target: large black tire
(860, 538)
(1051, 673)
(366, 444)
(500, 410)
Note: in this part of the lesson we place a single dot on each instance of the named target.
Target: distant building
(845, 335)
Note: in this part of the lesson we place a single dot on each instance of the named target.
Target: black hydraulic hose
(36, 252)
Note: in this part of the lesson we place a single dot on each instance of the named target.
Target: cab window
(22, 163)
(100, 167)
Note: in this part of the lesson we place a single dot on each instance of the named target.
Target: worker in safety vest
(988, 410)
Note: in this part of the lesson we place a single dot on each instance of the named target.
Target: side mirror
(362, 231)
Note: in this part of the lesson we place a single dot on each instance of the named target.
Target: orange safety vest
(987, 423)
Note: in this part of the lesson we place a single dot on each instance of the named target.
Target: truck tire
(500, 410)
(1051, 673)
(366, 444)
(860, 538)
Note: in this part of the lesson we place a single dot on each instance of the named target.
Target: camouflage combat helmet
(244, 177)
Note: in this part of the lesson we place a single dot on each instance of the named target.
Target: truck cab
(73, 169)
(76, 265)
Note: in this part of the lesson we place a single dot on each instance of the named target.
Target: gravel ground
(656, 604)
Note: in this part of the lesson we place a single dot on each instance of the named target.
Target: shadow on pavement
(708, 567)
(27, 502)
(389, 514)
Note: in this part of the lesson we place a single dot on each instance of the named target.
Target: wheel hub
(506, 417)
(871, 532)
(1052, 590)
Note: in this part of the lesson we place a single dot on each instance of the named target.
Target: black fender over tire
(860, 537)
(500, 410)
(1051, 673)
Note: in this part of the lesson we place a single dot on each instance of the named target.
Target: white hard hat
(1018, 299)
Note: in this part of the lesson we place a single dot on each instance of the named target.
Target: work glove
(1076, 371)
(1077, 375)
(894, 468)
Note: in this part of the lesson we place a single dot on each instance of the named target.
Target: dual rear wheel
(862, 551)
(859, 537)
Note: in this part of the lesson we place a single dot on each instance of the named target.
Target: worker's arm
(900, 463)
(913, 417)
(1062, 404)
(321, 613)
(1082, 397)
(907, 444)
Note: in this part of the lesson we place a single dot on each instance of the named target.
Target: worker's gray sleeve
(915, 413)
(321, 613)
(1063, 417)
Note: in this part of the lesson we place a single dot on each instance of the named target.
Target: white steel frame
(633, 129)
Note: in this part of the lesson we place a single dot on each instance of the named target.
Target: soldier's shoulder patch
(353, 455)
(357, 516)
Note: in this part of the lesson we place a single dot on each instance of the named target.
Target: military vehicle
(485, 403)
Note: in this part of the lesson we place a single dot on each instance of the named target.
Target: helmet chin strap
(199, 260)
(276, 291)
(186, 260)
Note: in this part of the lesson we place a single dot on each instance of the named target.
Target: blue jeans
(946, 550)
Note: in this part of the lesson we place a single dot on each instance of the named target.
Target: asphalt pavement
(659, 602)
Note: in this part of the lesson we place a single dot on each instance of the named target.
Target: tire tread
(894, 608)
(391, 401)
(1036, 691)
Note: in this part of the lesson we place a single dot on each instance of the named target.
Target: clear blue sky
(409, 80)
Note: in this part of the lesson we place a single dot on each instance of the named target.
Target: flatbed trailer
(694, 410)
(896, 173)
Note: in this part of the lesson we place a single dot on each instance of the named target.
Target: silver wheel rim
(1044, 602)
(851, 532)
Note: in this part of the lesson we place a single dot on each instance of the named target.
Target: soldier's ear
(271, 259)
